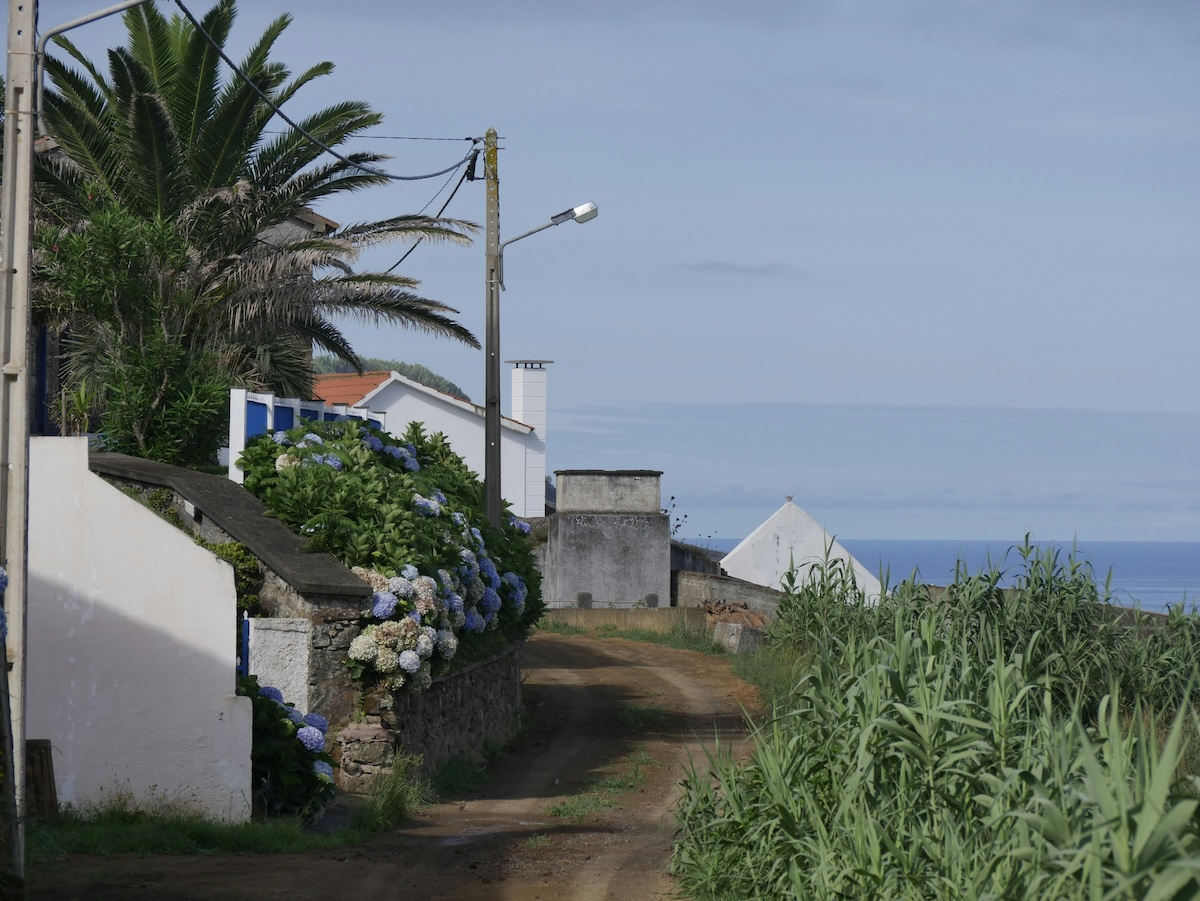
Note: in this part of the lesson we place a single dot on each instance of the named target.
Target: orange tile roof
(347, 387)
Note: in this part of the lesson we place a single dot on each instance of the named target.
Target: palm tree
(164, 139)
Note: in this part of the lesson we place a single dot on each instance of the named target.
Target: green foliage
(395, 795)
(394, 506)
(458, 776)
(286, 781)
(326, 365)
(247, 574)
(136, 830)
(172, 258)
(973, 743)
(600, 794)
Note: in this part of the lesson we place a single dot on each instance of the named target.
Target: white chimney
(529, 407)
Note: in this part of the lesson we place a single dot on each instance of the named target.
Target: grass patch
(601, 794)
(579, 807)
(123, 825)
(773, 670)
(641, 758)
(684, 634)
(643, 716)
(558, 627)
(395, 796)
(138, 832)
(458, 776)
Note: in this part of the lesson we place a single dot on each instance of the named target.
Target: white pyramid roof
(788, 535)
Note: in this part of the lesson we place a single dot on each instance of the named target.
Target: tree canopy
(177, 219)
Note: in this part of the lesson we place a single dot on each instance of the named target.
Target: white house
(522, 437)
(791, 536)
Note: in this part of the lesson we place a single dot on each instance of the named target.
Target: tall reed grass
(971, 743)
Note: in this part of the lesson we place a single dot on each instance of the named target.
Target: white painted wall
(131, 647)
(791, 535)
(280, 650)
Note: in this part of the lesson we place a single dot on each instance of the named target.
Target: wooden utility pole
(16, 284)
(491, 349)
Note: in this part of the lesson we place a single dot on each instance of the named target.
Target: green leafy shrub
(292, 774)
(247, 574)
(407, 515)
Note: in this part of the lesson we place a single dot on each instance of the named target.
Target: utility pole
(491, 350)
(16, 284)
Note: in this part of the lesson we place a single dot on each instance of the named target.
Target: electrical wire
(282, 115)
(461, 179)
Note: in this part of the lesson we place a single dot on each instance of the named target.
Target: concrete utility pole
(16, 284)
(491, 349)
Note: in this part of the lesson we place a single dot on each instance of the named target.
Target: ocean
(1149, 574)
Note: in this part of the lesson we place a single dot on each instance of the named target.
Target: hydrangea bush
(292, 774)
(407, 516)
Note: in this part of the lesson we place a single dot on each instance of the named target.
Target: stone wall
(459, 716)
(697, 589)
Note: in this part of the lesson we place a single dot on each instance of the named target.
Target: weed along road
(579, 808)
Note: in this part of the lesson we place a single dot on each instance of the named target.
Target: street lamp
(494, 284)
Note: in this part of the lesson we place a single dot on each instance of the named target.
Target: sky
(928, 266)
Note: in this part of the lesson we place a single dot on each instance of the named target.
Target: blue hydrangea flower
(313, 438)
(439, 497)
(295, 716)
(414, 616)
(454, 604)
(317, 458)
(409, 572)
(490, 602)
(477, 535)
(459, 519)
(3, 580)
(392, 451)
(401, 587)
(523, 527)
(426, 506)
(333, 462)
(3, 627)
(373, 443)
(411, 448)
(519, 590)
(321, 768)
(474, 622)
(280, 438)
(410, 661)
(487, 569)
(383, 604)
(316, 721)
(411, 464)
(312, 739)
(270, 691)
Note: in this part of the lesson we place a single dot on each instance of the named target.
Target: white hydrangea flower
(425, 588)
(387, 661)
(424, 646)
(446, 642)
(363, 649)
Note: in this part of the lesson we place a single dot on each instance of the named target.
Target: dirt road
(611, 722)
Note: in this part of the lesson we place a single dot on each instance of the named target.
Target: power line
(282, 115)
(393, 137)
(461, 179)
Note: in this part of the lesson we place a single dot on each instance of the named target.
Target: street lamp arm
(59, 29)
(584, 213)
